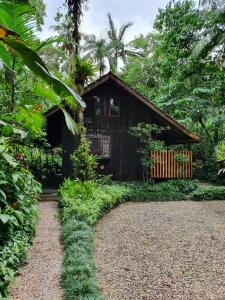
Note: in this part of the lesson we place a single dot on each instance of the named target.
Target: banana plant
(34, 62)
(17, 40)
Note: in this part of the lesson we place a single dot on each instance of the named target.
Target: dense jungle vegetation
(179, 65)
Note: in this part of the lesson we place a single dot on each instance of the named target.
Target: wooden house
(112, 108)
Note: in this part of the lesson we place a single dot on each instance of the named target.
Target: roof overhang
(190, 137)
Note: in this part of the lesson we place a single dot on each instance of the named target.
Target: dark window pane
(96, 146)
(114, 107)
(100, 146)
(99, 108)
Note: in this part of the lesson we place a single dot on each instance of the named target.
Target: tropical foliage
(109, 51)
(19, 192)
(21, 124)
(84, 162)
(184, 74)
(179, 66)
(146, 135)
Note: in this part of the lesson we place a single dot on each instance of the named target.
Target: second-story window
(99, 107)
(114, 107)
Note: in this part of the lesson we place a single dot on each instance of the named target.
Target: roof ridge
(148, 102)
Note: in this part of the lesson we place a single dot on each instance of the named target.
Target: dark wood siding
(124, 163)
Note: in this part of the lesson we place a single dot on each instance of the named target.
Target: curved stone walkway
(39, 278)
(162, 251)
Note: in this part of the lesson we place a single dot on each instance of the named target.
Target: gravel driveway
(39, 278)
(170, 250)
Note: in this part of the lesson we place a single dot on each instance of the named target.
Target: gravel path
(162, 251)
(39, 278)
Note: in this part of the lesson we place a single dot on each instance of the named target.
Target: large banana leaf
(47, 93)
(33, 61)
(18, 17)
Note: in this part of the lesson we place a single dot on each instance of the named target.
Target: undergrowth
(78, 277)
(172, 190)
(83, 203)
(209, 193)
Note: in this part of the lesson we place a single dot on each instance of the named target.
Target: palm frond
(18, 18)
(123, 30)
(38, 67)
(112, 31)
(70, 123)
(49, 41)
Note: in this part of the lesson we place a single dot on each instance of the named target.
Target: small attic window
(99, 107)
(114, 107)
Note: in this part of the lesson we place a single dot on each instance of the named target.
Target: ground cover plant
(83, 204)
(78, 276)
(209, 193)
(171, 190)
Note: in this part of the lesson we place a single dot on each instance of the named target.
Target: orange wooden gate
(164, 164)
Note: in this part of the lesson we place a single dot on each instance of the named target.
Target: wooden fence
(166, 164)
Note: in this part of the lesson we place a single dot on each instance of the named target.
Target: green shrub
(13, 251)
(12, 255)
(83, 161)
(171, 190)
(87, 201)
(181, 185)
(139, 194)
(18, 216)
(209, 193)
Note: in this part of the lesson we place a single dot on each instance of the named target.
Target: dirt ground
(170, 250)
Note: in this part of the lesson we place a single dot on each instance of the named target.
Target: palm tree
(209, 4)
(117, 47)
(75, 11)
(97, 49)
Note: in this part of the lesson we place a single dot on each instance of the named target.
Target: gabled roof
(190, 136)
(162, 115)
